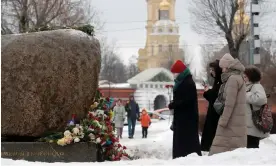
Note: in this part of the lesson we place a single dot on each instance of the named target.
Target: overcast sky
(126, 20)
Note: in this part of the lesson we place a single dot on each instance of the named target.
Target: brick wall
(117, 93)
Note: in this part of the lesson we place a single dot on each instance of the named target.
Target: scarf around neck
(179, 79)
(224, 78)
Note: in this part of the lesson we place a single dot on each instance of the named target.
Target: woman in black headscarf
(212, 116)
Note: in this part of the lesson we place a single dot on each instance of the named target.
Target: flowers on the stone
(76, 131)
(98, 140)
(68, 139)
(82, 135)
(61, 142)
(67, 133)
(92, 136)
(100, 112)
(94, 105)
(76, 139)
(97, 128)
(90, 129)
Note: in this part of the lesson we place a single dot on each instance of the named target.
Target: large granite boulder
(46, 77)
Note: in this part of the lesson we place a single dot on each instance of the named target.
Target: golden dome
(164, 5)
(241, 18)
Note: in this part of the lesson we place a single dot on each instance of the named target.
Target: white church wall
(145, 95)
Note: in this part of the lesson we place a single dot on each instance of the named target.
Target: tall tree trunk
(231, 45)
(23, 22)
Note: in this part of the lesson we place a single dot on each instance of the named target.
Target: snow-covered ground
(157, 148)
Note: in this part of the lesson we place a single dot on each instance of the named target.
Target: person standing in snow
(185, 106)
(145, 123)
(212, 117)
(119, 117)
(255, 96)
(232, 130)
(132, 109)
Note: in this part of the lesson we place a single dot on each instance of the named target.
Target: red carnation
(119, 145)
(73, 116)
(90, 115)
(113, 139)
(107, 99)
(124, 147)
(167, 86)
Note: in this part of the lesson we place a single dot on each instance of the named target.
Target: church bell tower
(162, 43)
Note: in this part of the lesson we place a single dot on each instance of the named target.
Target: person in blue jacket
(133, 114)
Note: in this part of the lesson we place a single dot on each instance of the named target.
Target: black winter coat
(185, 123)
(212, 118)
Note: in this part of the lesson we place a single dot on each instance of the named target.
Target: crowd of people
(235, 94)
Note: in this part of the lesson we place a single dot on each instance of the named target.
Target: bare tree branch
(35, 14)
(221, 19)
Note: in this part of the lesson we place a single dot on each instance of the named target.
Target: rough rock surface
(46, 77)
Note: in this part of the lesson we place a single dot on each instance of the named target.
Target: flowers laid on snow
(97, 128)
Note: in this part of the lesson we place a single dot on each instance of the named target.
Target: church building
(150, 86)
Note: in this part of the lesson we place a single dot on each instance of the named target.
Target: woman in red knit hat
(185, 106)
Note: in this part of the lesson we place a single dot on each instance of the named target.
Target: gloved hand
(171, 106)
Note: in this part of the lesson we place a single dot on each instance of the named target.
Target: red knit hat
(178, 67)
